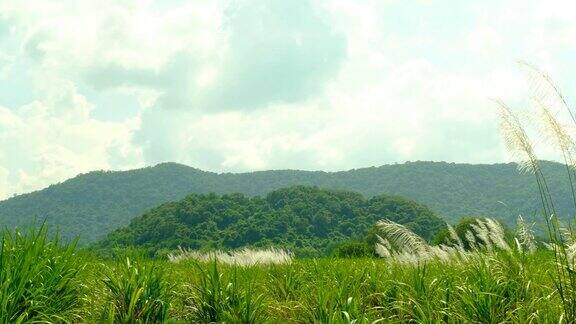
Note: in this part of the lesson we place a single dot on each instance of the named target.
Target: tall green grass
(44, 281)
(487, 288)
(39, 278)
(231, 297)
(136, 292)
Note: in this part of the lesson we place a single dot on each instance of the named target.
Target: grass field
(42, 280)
(484, 289)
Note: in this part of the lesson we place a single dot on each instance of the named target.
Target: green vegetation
(39, 279)
(136, 292)
(482, 288)
(306, 220)
(94, 204)
(353, 249)
(486, 289)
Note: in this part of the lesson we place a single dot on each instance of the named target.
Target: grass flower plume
(244, 257)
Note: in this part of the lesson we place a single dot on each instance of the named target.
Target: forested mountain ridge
(307, 220)
(93, 204)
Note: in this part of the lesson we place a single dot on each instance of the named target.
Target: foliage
(486, 288)
(216, 298)
(353, 249)
(502, 286)
(136, 292)
(297, 218)
(92, 205)
(38, 278)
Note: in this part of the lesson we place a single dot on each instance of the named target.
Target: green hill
(307, 220)
(92, 205)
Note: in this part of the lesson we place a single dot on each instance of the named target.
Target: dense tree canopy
(94, 204)
(307, 220)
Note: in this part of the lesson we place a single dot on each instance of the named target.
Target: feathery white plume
(402, 238)
(471, 239)
(524, 236)
(382, 251)
(544, 90)
(557, 133)
(244, 257)
(497, 235)
(570, 253)
(483, 233)
(516, 140)
(399, 244)
(454, 236)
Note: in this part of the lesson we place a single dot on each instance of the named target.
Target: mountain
(93, 204)
(306, 220)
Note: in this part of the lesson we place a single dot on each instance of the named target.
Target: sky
(233, 86)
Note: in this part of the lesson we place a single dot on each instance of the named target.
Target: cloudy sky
(264, 84)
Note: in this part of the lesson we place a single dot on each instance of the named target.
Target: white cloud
(232, 86)
(54, 138)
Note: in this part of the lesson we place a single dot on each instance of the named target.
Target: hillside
(94, 204)
(307, 220)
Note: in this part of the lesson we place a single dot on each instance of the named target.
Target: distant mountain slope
(92, 205)
(306, 220)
